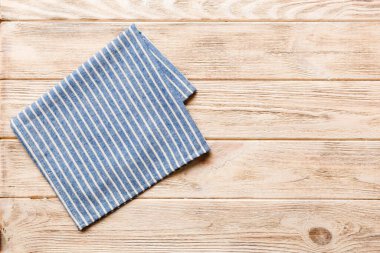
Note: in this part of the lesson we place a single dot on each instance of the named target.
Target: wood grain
(321, 50)
(200, 10)
(239, 169)
(253, 109)
(197, 226)
(288, 98)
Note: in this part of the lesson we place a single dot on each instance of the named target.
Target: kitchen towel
(112, 128)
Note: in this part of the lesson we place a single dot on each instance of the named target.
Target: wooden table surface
(288, 98)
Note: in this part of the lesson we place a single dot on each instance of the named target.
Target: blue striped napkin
(112, 128)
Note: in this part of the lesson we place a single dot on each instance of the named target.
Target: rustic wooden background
(288, 98)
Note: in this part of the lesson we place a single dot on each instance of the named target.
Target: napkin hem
(158, 180)
(181, 85)
(46, 175)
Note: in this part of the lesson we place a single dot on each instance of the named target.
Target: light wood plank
(196, 226)
(253, 109)
(200, 10)
(204, 50)
(239, 169)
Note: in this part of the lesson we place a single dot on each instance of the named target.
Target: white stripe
(160, 103)
(113, 126)
(122, 114)
(137, 109)
(163, 63)
(105, 141)
(174, 100)
(117, 132)
(93, 137)
(64, 160)
(175, 75)
(139, 98)
(72, 158)
(159, 76)
(81, 131)
(137, 123)
(149, 99)
(60, 168)
(83, 134)
(78, 152)
(47, 176)
(171, 71)
(175, 86)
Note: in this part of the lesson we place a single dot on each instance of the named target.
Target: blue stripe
(93, 145)
(90, 187)
(174, 105)
(167, 68)
(124, 109)
(142, 113)
(159, 89)
(127, 105)
(109, 111)
(164, 120)
(47, 171)
(88, 133)
(82, 149)
(46, 154)
(65, 164)
(102, 115)
(145, 100)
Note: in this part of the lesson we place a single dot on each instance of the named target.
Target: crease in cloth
(112, 128)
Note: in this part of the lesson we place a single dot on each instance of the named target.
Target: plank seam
(213, 199)
(196, 21)
(230, 79)
(265, 139)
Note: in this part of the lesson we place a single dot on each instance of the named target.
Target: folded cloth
(112, 128)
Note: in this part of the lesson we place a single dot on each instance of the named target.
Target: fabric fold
(111, 129)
